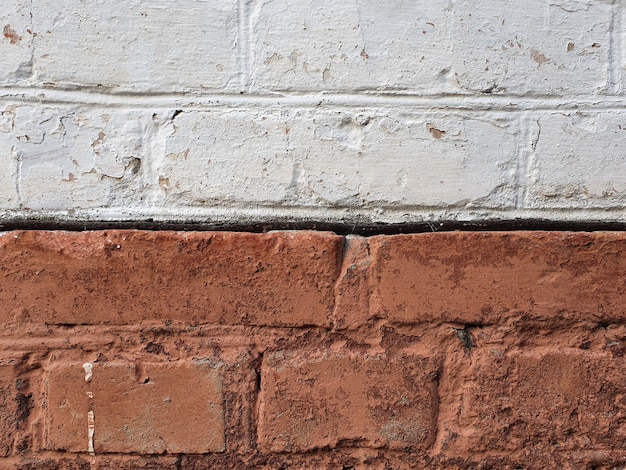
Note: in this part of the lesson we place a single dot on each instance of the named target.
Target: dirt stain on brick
(24, 407)
(154, 348)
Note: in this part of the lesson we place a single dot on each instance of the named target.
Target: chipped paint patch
(91, 429)
(88, 368)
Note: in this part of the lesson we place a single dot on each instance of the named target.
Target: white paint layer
(91, 431)
(539, 47)
(243, 111)
(88, 368)
(135, 45)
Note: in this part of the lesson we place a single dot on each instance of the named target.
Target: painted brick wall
(284, 350)
(170, 350)
(240, 111)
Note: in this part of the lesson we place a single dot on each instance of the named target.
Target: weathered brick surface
(545, 399)
(336, 159)
(487, 277)
(122, 277)
(352, 290)
(138, 408)
(225, 111)
(15, 21)
(15, 407)
(430, 351)
(360, 400)
(8, 165)
(92, 155)
(565, 143)
(434, 46)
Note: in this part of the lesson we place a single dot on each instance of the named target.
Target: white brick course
(425, 46)
(16, 44)
(238, 111)
(76, 157)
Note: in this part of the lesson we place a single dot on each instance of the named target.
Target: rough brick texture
(311, 350)
(138, 408)
(568, 399)
(487, 277)
(124, 277)
(363, 400)
(308, 349)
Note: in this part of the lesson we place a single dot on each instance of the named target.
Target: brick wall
(136, 349)
(245, 111)
(171, 350)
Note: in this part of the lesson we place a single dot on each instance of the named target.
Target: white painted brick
(348, 159)
(345, 46)
(425, 46)
(382, 111)
(138, 45)
(579, 160)
(15, 42)
(555, 47)
(78, 158)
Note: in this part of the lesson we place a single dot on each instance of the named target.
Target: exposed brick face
(15, 408)
(363, 400)
(138, 408)
(133, 349)
(122, 277)
(569, 399)
(487, 277)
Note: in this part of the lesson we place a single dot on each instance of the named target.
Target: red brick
(363, 400)
(352, 290)
(149, 408)
(124, 276)
(562, 400)
(483, 277)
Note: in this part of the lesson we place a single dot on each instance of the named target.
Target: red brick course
(123, 277)
(569, 399)
(312, 350)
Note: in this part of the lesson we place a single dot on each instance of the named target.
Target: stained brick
(123, 277)
(562, 400)
(328, 401)
(142, 408)
(486, 277)
(15, 407)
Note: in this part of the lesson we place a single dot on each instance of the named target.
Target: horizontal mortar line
(276, 212)
(342, 221)
(313, 100)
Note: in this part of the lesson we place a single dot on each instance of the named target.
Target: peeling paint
(10, 34)
(88, 368)
(91, 431)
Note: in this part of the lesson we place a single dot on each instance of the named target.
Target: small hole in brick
(465, 338)
(146, 380)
